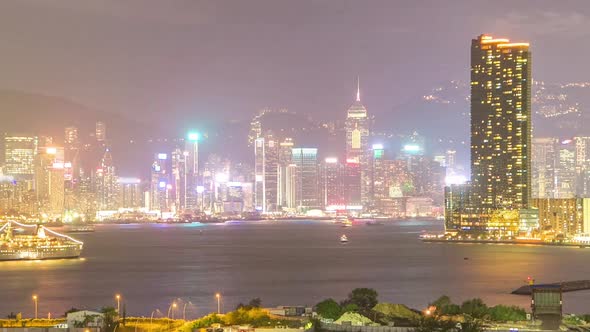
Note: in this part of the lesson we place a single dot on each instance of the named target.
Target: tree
(12, 315)
(351, 307)
(109, 318)
(444, 306)
(502, 313)
(433, 324)
(329, 309)
(471, 325)
(255, 303)
(476, 308)
(364, 298)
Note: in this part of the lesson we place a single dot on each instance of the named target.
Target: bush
(475, 308)
(502, 313)
(444, 306)
(364, 298)
(207, 321)
(329, 309)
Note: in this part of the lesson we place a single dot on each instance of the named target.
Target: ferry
(38, 243)
(343, 238)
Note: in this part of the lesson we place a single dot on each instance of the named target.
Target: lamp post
(184, 311)
(173, 305)
(36, 301)
(118, 297)
(218, 296)
(151, 319)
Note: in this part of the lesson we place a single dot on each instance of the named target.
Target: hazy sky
(229, 58)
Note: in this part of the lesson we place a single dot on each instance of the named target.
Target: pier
(566, 286)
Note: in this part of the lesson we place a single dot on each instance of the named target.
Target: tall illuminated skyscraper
(266, 150)
(357, 145)
(19, 156)
(500, 123)
(307, 192)
(106, 182)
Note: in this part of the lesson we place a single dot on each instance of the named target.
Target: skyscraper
(306, 162)
(192, 170)
(500, 123)
(106, 183)
(357, 145)
(544, 165)
(19, 155)
(71, 136)
(266, 151)
(333, 174)
(101, 131)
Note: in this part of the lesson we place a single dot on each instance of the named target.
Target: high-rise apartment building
(500, 123)
(192, 171)
(357, 145)
(71, 136)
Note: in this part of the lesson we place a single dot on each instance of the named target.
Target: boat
(38, 243)
(347, 223)
(78, 228)
(343, 238)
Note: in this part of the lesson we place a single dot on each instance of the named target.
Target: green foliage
(574, 320)
(433, 324)
(329, 309)
(444, 306)
(472, 325)
(364, 298)
(351, 307)
(502, 313)
(207, 321)
(110, 318)
(254, 303)
(475, 308)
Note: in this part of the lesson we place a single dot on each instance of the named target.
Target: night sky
(165, 59)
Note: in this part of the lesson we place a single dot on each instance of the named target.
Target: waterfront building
(191, 180)
(500, 123)
(357, 148)
(566, 216)
(159, 183)
(501, 132)
(333, 193)
(291, 187)
(19, 155)
(352, 178)
(285, 157)
(178, 177)
(378, 175)
(306, 193)
(266, 152)
(106, 183)
(130, 193)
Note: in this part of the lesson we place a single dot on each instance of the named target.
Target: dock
(566, 286)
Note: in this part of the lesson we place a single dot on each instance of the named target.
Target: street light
(173, 305)
(118, 297)
(184, 311)
(218, 296)
(36, 300)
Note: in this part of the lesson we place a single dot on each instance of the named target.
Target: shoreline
(509, 242)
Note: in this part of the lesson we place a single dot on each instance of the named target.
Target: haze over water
(283, 263)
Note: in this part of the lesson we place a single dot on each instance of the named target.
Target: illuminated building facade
(19, 156)
(307, 191)
(500, 123)
(159, 181)
(191, 181)
(266, 150)
(567, 216)
(544, 166)
(285, 157)
(357, 149)
(100, 132)
(333, 174)
(106, 183)
(130, 193)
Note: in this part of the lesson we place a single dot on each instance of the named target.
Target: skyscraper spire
(358, 89)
